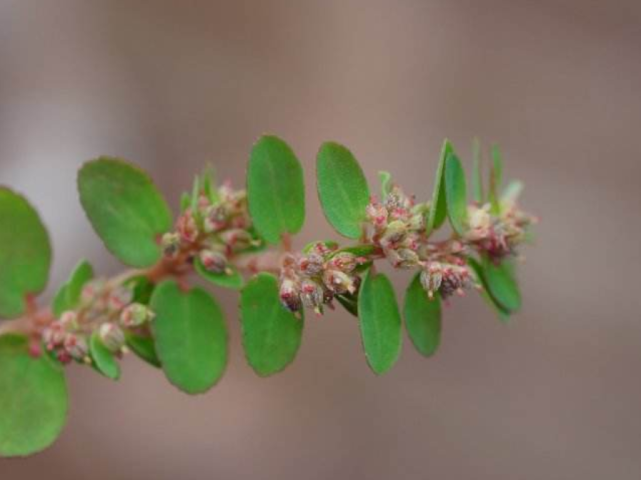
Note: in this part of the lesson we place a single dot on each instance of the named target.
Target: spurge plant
(224, 235)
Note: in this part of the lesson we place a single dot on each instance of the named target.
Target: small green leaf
(103, 359)
(25, 253)
(477, 176)
(125, 209)
(275, 189)
(422, 318)
(504, 315)
(143, 347)
(190, 335)
(386, 183)
(342, 189)
(511, 194)
(141, 287)
(502, 285)
(438, 208)
(271, 334)
(33, 398)
(233, 280)
(456, 194)
(68, 297)
(380, 322)
(496, 178)
(349, 302)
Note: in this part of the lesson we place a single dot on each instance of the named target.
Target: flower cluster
(498, 236)
(102, 309)
(315, 277)
(214, 224)
(396, 225)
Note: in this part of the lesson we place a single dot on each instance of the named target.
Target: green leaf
(496, 178)
(477, 176)
(502, 285)
(386, 183)
(503, 314)
(422, 318)
(125, 209)
(349, 302)
(191, 337)
(511, 194)
(380, 322)
(342, 189)
(143, 347)
(271, 334)
(233, 280)
(275, 189)
(103, 359)
(33, 398)
(25, 253)
(456, 194)
(438, 208)
(142, 289)
(68, 296)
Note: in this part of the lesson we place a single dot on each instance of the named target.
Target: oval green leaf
(233, 279)
(125, 209)
(25, 253)
(103, 359)
(68, 297)
(342, 189)
(143, 347)
(275, 189)
(502, 285)
(271, 334)
(190, 335)
(380, 322)
(33, 398)
(438, 210)
(477, 268)
(456, 194)
(422, 318)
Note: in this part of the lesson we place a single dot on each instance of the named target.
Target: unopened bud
(402, 258)
(290, 295)
(76, 346)
(432, 277)
(92, 290)
(215, 262)
(112, 336)
(119, 298)
(344, 261)
(215, 218)
(311, 264)
(135, 315)
(312, 295)
(339, 282)
(170, 244)
(69, 320)
(377, 215)
(394, 233)
(187, 227)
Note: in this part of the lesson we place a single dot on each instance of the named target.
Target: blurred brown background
(172, 85)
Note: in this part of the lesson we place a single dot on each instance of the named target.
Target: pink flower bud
(290, 295)
(346, 262)
(69, 320)
(213, 261)
(215, 218)
(312, 295)
(112, 336)
(432, 277)
(76, 346)
(394, 233)
(135, 315)
(119, 298)
(377, 215)
(187, 227)
(311, 264)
